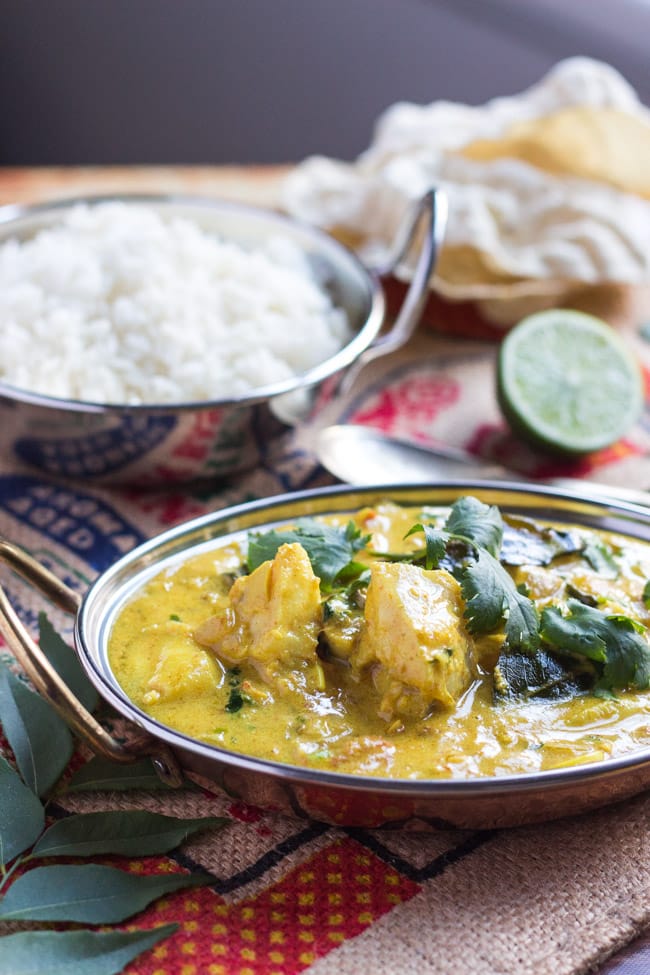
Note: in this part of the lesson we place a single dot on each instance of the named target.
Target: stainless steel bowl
(351, 800)
(158, 443)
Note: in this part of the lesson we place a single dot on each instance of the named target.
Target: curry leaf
(22, 816)
(611, 640)
(531, 676)
(66, 663)
(493, 600)
(329, 547)
(76, 952)
(101, 774)
(527, 543)
(133, 832)
(39, 738)
(90, 894)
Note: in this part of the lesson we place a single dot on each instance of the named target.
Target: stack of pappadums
(549, 191)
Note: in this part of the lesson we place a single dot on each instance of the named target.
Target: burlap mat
(556, 899)
(288, 896)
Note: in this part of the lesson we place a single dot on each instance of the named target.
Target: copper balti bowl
(153, 444)
(341, 799)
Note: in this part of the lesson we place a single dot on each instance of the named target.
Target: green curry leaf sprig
(34, 889)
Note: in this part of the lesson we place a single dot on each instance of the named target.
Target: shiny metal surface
(161, 443)
(362, 455)
(48, 682)
(347, 799)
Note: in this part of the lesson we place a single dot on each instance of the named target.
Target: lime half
(567, 382)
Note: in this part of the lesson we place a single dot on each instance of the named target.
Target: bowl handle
(49, 683)
(428, 218)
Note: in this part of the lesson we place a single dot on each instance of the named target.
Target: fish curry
(402, 642)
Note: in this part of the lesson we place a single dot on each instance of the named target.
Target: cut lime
(567, 382)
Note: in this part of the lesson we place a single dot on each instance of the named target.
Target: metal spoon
(361, 455)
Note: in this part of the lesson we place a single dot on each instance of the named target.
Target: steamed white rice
(117, 305)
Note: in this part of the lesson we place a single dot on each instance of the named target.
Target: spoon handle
(362, 455)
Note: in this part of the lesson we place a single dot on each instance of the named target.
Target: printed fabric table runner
(287, 896)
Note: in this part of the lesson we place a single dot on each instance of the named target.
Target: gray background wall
(218, 81)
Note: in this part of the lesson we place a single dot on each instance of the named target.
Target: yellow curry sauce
(390, 677)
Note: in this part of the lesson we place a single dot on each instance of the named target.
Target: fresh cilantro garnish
(614, 641)
(479, 523)
(321, 754)
(236, 700)
(493, 600)
(331, 549)
(601, 559)
(236, 697)
(435, 545)
(646, 595)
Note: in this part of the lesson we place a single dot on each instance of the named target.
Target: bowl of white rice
(154, 339)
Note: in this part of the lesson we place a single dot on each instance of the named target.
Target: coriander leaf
(89, 893)
(493, 600)
(574, 632)
(22, 816)
(354, 574)
(236, 700)
(480, 523)
(39, 738)
(627, 622)
(76, 952)
(611, 640)
(601, 559)
(330, 548)
(133, 832)
(103, 774)
(354, 537)
(435, 544)
(66, 663)
(646, 595)
(628, 656)
(236, 697)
